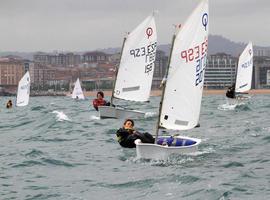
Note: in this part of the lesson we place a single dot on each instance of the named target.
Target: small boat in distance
(23, 91)
(77, 91)
(182, 91)
(243, 78)
(135, 72)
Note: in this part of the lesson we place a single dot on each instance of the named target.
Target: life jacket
(98, 102)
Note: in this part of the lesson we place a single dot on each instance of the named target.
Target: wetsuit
(230, 92)
(100, 102)
(9, 104)
(127, 137)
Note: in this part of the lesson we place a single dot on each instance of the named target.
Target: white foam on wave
(150, 114)
(227, 106)
(93, 117)
(61, 116)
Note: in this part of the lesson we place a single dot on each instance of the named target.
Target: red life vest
(98, 102)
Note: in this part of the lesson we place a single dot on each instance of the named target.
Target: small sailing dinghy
(237, 92)
(23, 91)
(77, 91)
(182, 90)
(135, 73)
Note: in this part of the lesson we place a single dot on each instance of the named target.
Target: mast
(163, 89)
(123, 45)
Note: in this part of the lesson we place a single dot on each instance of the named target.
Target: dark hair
(101, 94)
(129, 120)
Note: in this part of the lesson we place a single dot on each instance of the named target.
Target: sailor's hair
(101, 94)
(129, 120)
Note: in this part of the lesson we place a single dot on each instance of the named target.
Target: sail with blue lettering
(244, 70)
(23, 90)
(181, 105)
(136, 69)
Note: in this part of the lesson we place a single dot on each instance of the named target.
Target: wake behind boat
(135, 72)
(182, 90)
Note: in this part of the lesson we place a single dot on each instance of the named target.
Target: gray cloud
(32, 25)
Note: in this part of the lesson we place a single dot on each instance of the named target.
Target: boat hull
(238, 100)
(118, 113)
(160, 152)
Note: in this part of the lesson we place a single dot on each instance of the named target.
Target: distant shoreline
(205, 92)
(153, 93)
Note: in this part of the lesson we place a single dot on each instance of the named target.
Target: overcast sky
(81, 25)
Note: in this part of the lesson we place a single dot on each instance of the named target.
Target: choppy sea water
(57, 148)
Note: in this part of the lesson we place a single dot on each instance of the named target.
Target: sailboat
(23, 91)
(77, 91)
(182, 91)
(135, 73)
(243, 75)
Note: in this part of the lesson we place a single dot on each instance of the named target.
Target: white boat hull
(118, 113)
(159, 152)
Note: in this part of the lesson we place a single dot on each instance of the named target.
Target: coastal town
(55, 73)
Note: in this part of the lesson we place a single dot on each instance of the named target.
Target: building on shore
(262, 72)
(220, 71)
(58, 59)
(12, 70)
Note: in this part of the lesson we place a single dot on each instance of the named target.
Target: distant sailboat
(243, 74)
(182, 90)
(135, 72)
(77, 91)
(23, 90)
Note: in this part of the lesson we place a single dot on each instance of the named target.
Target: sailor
(9, 104)
(127, 135)
(231, 92)
(99, 101)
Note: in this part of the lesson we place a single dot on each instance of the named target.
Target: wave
(150, 114)
(93, 117)
(227, 106)
(61, 116)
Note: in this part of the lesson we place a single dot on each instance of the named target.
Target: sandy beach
(205, 92)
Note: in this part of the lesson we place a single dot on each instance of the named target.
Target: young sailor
(99, 101)
(9, 104)
(231, 92)
(126, 135)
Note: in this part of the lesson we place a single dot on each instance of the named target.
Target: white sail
(77, 91)
(135, 72)
(183, 91)
(23, 90)
(244, 70)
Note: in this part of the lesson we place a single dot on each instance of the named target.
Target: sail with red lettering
(244, 70)
(183, 91)
(136, 69)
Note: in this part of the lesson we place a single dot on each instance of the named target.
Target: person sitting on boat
(99, 101)
(126, 135)
(9, 104)
(231, 92)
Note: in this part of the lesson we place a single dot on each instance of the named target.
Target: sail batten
(23, 92)
(183, 91)
(244, 70)
(77, 91)
(135, 72)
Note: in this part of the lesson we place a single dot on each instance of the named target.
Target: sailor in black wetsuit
(126, 135)
(231, 92)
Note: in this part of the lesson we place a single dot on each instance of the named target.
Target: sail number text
(199, 55)
(195, 52)
(149, 52)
